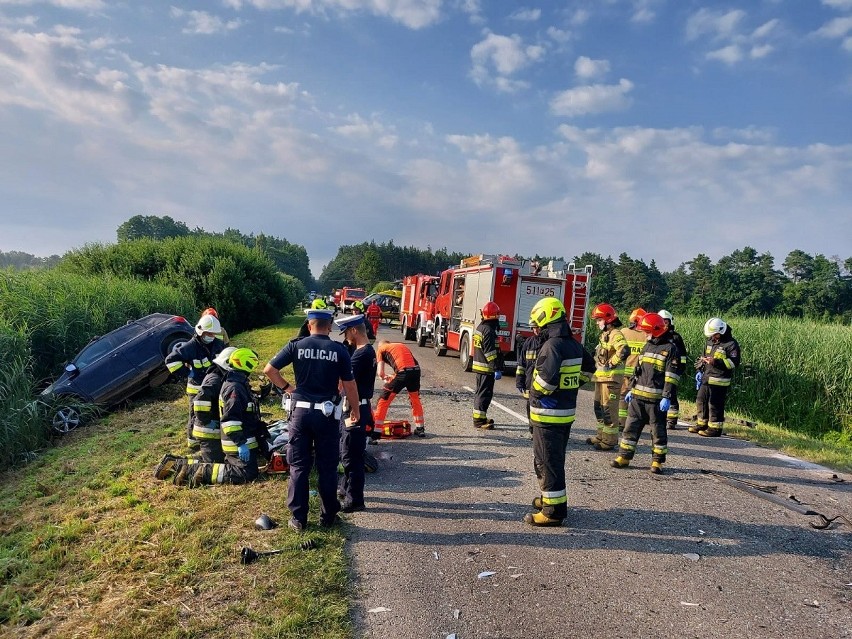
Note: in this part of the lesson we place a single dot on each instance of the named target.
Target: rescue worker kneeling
(561, 367)
(656, 375)
(240, 425)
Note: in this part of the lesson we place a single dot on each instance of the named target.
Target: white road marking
(520, 418)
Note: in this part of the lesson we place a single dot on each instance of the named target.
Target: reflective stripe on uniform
(553, 497)
(174, 366)
(230, 447)
(719, 381)
(202, 405)
(541, 385)
(552, 415)
(647, 392)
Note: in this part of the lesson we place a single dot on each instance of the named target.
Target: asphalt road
(442, 551)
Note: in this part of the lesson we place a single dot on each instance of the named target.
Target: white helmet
(666, 316)
(208, 324)
(221, 359)
(714, 325)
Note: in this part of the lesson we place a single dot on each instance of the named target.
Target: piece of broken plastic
(485, 573)
(692, 556)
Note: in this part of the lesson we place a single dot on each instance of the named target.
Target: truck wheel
(438, 341)
(402, 325)
(421, 335)
(464, 353)
(408, 332)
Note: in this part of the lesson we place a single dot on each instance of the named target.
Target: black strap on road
(768, 493)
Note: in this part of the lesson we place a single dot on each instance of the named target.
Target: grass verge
(91, 545)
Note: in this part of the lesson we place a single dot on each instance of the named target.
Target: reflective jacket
(726, 357)
(527, 355)
(681, 347)
(197, 357)
(636, 341)
(658, 372)
(240, 419)
(205, 405)
(610, 355)
(562, 366)
(485, 347)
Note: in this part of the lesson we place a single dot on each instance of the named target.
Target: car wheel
(172, 341)
(66, 419)
(464, 353)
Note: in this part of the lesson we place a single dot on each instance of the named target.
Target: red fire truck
(349, 295)
(449, 314)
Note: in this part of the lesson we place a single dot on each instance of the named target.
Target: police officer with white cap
(320, 366)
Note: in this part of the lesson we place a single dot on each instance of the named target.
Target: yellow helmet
(244, 359)
(319, 303)
(546, 311)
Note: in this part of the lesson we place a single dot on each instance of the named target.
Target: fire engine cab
(450, 314)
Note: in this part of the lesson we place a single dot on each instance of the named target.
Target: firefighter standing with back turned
(486, 362)
(656, 376)
(636, 341)
(320, 365)
(561, 367)
(610, 355)
(674, 409)
(715, 371)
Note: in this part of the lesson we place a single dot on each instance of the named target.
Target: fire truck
(445, 309)
(349, 295)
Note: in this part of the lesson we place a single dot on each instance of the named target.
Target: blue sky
(660, 128)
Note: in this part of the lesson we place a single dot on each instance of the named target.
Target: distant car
(388, 301)
(115, 366)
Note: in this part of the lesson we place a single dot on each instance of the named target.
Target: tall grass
(20, 427)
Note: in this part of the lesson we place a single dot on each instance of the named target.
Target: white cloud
(843, 5)
(526, 15)
(644, 11)
(836, 28)
(728, 41)
(414, 14)
(497, 57)
(716, 24)
(558, 35)
(203, 23)
(591, 99)
(588, 69)
(729, 55)
(358, 128)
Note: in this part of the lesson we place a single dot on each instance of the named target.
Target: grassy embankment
(91, 545)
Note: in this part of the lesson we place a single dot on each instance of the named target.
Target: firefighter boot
(488, 425)
(671, 424)
(657, 467)
(607, 438)
(596, 438)
(166, 466)
(620, 462)
(540, 519)
(711, 432)
(183, 469)
(478, 422)
(697, 427)
(537, 503)
(420, 431)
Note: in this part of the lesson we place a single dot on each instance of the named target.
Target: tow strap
(768, 493)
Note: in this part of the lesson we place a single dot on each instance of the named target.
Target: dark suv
(115, 366)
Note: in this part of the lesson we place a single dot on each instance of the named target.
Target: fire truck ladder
(579, 296)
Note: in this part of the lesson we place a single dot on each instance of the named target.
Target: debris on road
(379, 609)
(485, 574)
(692, 556)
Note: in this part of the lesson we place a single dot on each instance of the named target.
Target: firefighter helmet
(358, 305)
(714, 325)
(208, 324)
(490, 310)
(636, 314)
(318, 304)
(243, 359)
(221, 359)
(546, 311)
(653, 324)
(666, 316)
(606, 312)
(210, 311)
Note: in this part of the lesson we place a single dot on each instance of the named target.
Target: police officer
(317, 304)
(610, 355)
(561, 367)
(649, 398)
(716, 367)
(486, 361)
(319, 366)
(353, 435)
(197, 355)
(674, 409)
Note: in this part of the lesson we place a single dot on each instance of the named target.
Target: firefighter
(656, 375)
(561, 367)
(715, 371)
(486, 363)
(527, 353)
(358, 309)
(224, 335)
(197, 355)
(610, 356)
(674, 409)
(353, 434)
(317, 305)
(406, 375)
(320, 366)
(636, 341)
(374, 316)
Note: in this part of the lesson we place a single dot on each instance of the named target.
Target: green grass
(92, 545)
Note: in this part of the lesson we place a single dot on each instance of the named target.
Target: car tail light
(180, 319)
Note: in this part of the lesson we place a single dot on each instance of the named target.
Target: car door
(104, 372)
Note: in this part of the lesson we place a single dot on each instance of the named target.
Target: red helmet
(606, 312)
(490, 311)
(636, 314)
(210, 311)
(653, 324)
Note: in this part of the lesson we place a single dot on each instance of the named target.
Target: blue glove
(628, 397)
(498, 374)
(665, 402)
(698, 377)
(547, 402)
(243, 451)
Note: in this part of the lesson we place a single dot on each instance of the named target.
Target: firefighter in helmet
(636, 341)
(715, 371)
(195, 357)
(674, 409)
(656, 375)
(224, 335)
(561, 367)
(486, 363)
(610, 356)
(358, 308)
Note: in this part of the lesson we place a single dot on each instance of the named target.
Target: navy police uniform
(319, 363)
(353, 441)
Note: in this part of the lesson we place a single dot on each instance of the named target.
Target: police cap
(348, 322)
(319, 313)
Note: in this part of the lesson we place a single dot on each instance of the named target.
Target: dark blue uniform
(353, 441)
(318, 365)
